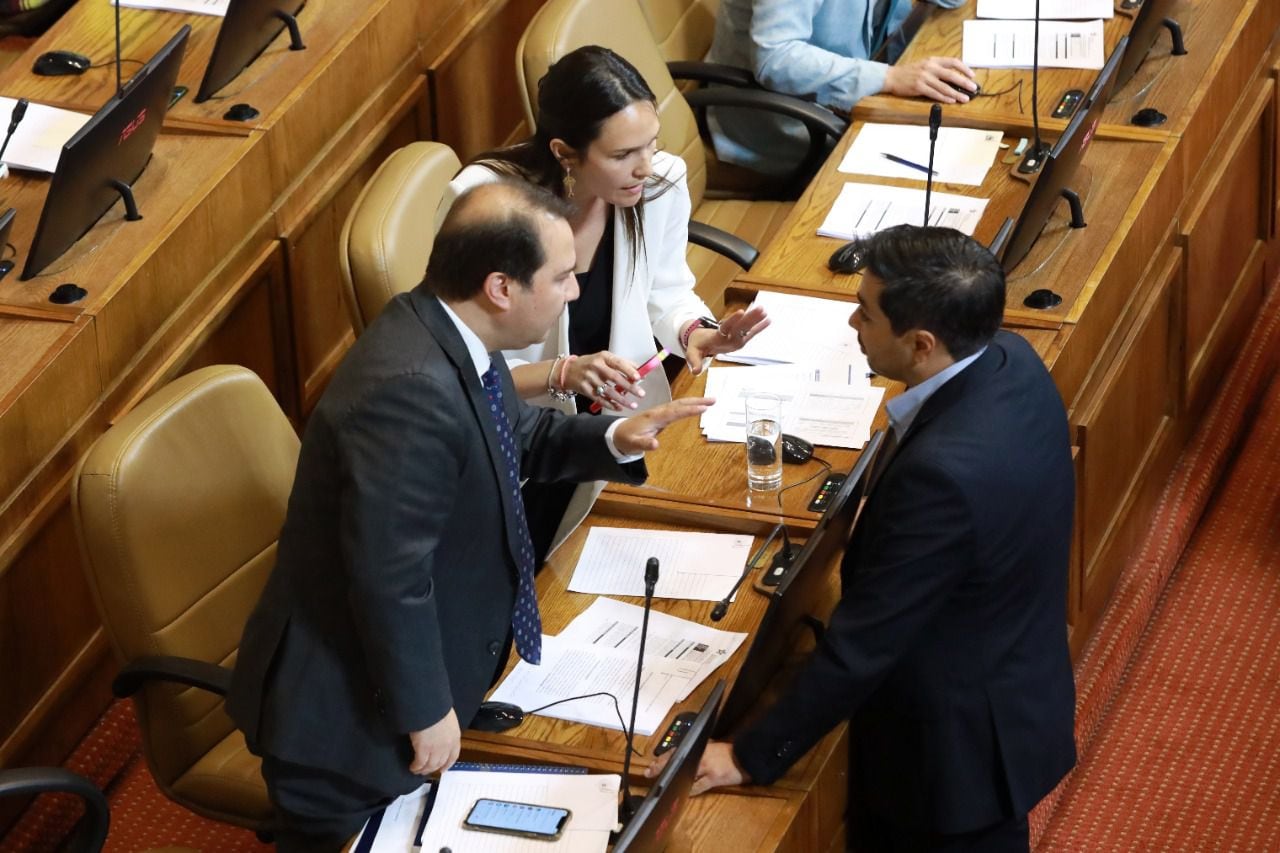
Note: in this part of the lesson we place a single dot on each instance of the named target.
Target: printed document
(1062, 10)
(808, 332)
(37, 143)
(217, 8)
(1009, 44)
(864, 209)
(698, 566)
(962, 156)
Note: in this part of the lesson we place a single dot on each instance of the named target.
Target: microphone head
(935, 121)
(718, 612)
(651, 571)
(19, 110)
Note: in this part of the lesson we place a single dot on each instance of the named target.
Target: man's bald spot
(497, 204)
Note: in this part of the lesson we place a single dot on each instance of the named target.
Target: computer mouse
(240, 112)
(497, 717)
(795, 449)
(847, 259)
(57, 63)
(1042, 298)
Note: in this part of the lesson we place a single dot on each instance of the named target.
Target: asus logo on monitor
(1093, 128)
(132, 126)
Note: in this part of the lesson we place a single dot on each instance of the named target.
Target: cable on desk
(826, 469)
(112, 62)
(617, 709)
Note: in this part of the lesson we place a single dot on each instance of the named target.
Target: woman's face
(619, 161)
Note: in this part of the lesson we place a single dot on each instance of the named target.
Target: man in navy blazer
(388, 612)
(948, 649)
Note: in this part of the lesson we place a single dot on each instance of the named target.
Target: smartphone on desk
(522, 819)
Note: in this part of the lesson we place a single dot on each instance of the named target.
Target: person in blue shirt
(818, 49)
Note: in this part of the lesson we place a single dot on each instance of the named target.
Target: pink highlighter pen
(643, 370)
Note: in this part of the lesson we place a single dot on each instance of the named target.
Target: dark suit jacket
(391, 599)
(948, 648)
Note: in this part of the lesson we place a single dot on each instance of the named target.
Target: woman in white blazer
(596, 147)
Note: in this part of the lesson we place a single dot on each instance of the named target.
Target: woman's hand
(605, 377)
(735, 330)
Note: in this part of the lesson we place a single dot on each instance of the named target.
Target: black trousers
(870, 833)
(317, 811)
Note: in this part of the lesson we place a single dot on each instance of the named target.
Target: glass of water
(764, 441)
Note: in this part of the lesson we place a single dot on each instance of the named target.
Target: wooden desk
(797, 814)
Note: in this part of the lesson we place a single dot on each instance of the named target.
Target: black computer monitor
(1061, 164)
(99, 164)
(1142, 35)
(793, 597)
(649, 829)
(247, 29)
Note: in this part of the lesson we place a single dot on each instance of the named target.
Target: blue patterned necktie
(525, 622)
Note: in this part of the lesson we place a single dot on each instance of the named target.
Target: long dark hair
(576, 96)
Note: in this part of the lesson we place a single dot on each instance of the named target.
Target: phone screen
(517, 818)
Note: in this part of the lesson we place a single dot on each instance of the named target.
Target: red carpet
(1179, 706)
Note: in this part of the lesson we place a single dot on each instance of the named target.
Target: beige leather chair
(564, 25)
(178, 507)
(682, 29)
(387, 238)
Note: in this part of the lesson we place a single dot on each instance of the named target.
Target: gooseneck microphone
(722, 606)
(627, 807)
(15, 119)
(1035, 157)
(119, 85)
(935, 122)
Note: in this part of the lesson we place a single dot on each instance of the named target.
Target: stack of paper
(592, 801)
(962, 156)
(863, 209)
(698, 566)
(217, 8)
(1063, 10)
(599, 656)
(808, 332)
(1010, 44)
(831, 414)
(37, 143)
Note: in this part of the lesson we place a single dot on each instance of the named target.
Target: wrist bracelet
(562, 394)
(699, 323)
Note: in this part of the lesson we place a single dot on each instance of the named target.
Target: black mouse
(57, 63)
(847, 259)
(1148, 117)
(497, 717)
(65, 294)
(1042, 298)
(795, 449)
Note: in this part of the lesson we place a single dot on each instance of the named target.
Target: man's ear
(497, 289)
(923, 345)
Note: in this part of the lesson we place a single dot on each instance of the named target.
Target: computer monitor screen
(107, 153)
(247, 29)
(1061, 164)
(649, 829)
(794, 596)
(1142, 35)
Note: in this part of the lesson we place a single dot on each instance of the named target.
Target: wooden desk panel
(1063, 260)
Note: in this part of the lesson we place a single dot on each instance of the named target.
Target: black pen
(904, 162)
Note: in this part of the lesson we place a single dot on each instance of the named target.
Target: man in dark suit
(948, 649)
(404, 564)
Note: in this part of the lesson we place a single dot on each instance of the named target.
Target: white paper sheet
(1063, 10)
(699, 566)
(805, 331)
(962, 155)
(612, 624)
(1009, 44)
(827, 414)
(217, 8)
(864, 209)
(570, 669)
(399, 825)
(37, 143)
(591, 799)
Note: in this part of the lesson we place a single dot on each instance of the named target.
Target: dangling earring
(569, 182)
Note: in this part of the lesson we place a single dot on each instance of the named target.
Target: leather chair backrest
(564, 25)
(387, 238)
(683, 29)
(178, 507)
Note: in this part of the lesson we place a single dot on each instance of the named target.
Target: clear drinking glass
(764, 441)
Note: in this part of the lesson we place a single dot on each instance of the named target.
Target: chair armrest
(712, 72)
(723, 243)
(819, 121)
(40, 780)
(193, 673)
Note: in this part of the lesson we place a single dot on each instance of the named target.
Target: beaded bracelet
(561, 393)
